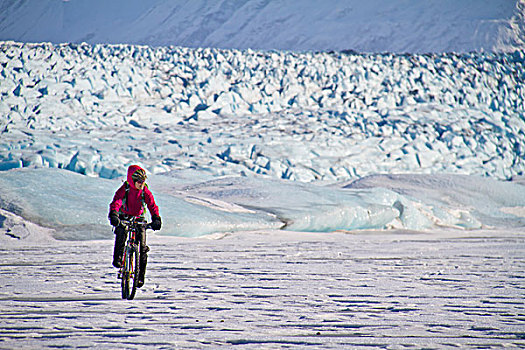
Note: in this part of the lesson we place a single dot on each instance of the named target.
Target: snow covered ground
(309, 199)
(272, 290)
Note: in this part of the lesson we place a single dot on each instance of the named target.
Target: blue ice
(76, 205)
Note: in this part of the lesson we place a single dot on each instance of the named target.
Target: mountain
(308, 25)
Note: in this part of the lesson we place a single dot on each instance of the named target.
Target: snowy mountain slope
(363, 26)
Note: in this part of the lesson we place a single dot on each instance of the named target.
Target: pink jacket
(134, 201)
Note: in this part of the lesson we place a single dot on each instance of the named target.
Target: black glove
(156, 223)
(113, 218)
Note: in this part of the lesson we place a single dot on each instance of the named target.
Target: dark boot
(142, 270)
(118, 250)
(144, 249)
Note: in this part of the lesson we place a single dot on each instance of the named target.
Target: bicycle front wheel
(130, 273)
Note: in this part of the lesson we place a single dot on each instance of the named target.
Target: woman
(130, 200)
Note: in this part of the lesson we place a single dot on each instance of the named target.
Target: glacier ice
(254, 123)
(193, 204)
(311, 116)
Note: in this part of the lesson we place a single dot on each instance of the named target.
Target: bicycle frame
(131, 226)
(129, 271)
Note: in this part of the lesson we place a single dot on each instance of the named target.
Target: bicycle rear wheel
(130, 272)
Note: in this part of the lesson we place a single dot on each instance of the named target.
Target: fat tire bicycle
(130, 265)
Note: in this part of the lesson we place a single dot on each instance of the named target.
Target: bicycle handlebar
(147, 225)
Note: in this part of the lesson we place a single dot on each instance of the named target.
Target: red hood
(133, 198)
(131, 171)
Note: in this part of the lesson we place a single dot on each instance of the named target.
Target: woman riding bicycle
(130, 200)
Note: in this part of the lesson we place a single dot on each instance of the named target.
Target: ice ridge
(75, 207)
(299, 116)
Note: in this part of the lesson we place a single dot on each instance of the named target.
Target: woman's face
(139, 185)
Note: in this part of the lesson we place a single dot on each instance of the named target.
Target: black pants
(120, 241)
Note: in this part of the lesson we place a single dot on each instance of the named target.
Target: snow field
(269, 290)
(298, 116)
